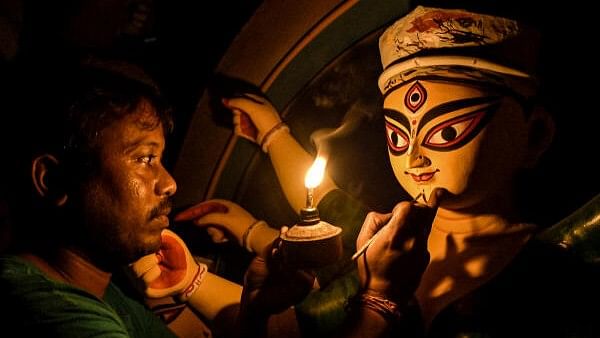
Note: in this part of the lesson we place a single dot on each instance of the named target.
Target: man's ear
(48, 180)
(541, 133)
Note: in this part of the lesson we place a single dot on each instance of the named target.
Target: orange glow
(315, 173)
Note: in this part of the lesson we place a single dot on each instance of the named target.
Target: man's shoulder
(17, 271)
(35, 303)
(21, 280)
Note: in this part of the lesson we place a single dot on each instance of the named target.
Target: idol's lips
(424, 177)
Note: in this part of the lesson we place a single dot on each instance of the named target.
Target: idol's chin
(421, 193)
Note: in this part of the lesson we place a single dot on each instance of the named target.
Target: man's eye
(148, 159)
(456, 132)
(397, 140)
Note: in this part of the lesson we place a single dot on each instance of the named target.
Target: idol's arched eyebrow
(441, 109)
(398, 117)
(451, 106)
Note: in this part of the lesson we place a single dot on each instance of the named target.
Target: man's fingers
(305, 280)
(373, 222)
(437, 196)
(401, 231)
(424, 214)
(410, 224)
(419, 221)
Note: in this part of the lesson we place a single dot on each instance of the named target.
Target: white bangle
(270, 135)
(246, 236)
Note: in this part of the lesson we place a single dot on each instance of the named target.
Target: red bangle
(195, 284)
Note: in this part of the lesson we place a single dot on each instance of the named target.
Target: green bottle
(578, 233)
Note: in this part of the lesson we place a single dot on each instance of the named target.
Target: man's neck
(69, 266)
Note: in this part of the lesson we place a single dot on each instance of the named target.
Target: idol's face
(465, 139)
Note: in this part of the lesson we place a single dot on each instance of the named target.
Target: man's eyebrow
(451, 106)
(131, 146)
(397, 116)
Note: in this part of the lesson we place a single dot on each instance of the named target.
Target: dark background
(178, 42)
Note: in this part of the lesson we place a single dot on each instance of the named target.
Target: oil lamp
(312, 243)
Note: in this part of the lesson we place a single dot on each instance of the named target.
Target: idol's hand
(225, 219)
(255, 119)
(172, 271)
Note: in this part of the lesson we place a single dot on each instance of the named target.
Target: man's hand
(172, 271)
(395, 261)
(270, 287)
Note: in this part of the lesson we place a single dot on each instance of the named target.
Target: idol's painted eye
(456, 132)
(397, 140)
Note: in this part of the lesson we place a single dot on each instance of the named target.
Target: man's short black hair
(61, 110)
(96, 98)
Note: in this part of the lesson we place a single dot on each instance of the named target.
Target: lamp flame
(315, 174)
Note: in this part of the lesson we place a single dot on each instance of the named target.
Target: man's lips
(163, 220)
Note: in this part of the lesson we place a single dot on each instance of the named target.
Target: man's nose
(166, 185)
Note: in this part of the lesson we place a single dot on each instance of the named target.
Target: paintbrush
(365, 246)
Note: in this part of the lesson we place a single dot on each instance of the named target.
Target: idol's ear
(541, 129)
(47, 178)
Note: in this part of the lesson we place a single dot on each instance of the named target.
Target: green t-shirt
(35, 306)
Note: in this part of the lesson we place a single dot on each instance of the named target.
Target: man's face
(465, 139)
(125, 205)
